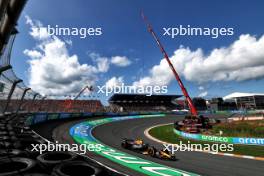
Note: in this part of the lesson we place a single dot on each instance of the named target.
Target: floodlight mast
(184, 91)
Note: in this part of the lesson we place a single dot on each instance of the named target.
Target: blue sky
(125, 34)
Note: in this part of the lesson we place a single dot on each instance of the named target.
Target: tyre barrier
(4, 138)
(50, 159)
(6, 145)
(14, 160)
(3, 128)
(26, 143)
(17, 158)
(36, 174)
(71, 168)
(26, 135)
(15, 166)
(12, 153)
(3, 133)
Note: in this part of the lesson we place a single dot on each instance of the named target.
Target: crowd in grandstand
(54, 105)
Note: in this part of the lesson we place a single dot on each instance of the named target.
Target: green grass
(165, 133)
(241, 129)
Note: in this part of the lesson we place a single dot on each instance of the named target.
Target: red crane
(184, 91)
(68, 104)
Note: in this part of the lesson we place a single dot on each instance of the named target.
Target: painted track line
(146, 133)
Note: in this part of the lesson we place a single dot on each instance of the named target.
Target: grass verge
(165, 133)
(241, 129)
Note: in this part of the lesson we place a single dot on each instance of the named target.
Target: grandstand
(50, 105)
(141, 102)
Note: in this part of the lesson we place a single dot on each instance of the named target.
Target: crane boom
(90, 88)
(184, 91)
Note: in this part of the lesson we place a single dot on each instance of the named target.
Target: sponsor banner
(53, 116)
(30, 120)
(76, 114)
(87, 114)
(189, 135)
(221, 139)
(40, 117)
(216, 139)
(65, 115)
(82, 133)
(249, 141)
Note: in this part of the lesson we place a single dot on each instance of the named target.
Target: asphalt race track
(205, 164)
(111, 134)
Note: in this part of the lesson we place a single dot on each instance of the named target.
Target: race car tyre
(4, 138)
(11, 153)
(9, 127)
(124, 145)
(3, 128)
(50, 159)
(3, 133)
(173, 158)
(151, 151)
(15, 166)
(26, 135)
(5, 145)
(35, 174)
(25, 143)
(11, 133)
(71, 168)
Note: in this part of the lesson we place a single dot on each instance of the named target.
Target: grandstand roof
(123, 98)
(240, 94)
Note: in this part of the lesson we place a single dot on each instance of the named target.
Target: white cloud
(121, 61)
(201, 88)
(102, 64)
(114, 81)
(203, 94)
(37, 30)
(53, 71)
(159, 75)
(34, 54)
(242, 60)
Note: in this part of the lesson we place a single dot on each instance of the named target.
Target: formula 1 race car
(135, 145)
(161, 154)
(143, 148)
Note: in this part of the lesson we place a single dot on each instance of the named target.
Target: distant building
(199, 103)
(141, 102)
(247, 100)
(218, 104)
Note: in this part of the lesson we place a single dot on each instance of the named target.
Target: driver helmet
(138, 142)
